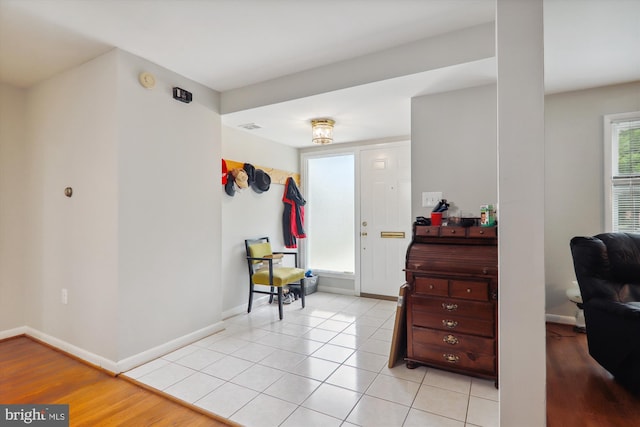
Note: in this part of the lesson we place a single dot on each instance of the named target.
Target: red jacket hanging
(293, 216)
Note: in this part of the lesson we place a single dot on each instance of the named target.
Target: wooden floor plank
(579, 391)
(33, 373)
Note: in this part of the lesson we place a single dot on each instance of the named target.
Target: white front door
(385, 218)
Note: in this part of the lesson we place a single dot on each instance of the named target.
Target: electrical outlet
(64, 296)
(431, 198)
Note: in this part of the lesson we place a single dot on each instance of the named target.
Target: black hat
(250, 170)
(262, 181)
(228, 187)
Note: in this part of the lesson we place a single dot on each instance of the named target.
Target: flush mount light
(322, 131)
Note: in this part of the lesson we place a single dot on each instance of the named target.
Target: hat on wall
(250, 170)
(240, 177)
(262, 181)
(229, 186)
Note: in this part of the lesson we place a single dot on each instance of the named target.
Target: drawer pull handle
(451, 324)
(451, 358)
(453, 231)
(450, 339)
(481, 231)
(430, 286)
(449, 307)
(468, 290)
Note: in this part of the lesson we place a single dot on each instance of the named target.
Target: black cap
(228, 187)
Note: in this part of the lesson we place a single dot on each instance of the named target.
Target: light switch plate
(431, 198)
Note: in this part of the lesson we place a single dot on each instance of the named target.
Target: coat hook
(68, 191)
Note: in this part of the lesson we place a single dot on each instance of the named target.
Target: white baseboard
(94, 359)
(159, 351)
(21, 330)
(565, 320)
(241, 309)
(110, 365)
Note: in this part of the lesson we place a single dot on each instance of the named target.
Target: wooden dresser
(452, 301)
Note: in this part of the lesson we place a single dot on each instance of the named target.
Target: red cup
(436, 218)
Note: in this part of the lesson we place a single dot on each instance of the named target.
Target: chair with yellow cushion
(265, 268)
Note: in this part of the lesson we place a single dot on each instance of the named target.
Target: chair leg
(250, 297)
(271, 296)
(302, 291)
(280, 301)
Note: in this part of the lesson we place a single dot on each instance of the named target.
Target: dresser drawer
(452, 323)
(431, 286)
(447, 306)
(483, 232)
(467, 289)
(452, 231)
(428, 230)
(454, 359)
(448, 341)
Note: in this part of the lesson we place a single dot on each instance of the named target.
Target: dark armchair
(607, 267)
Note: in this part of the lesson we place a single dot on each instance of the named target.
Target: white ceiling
(228, 44)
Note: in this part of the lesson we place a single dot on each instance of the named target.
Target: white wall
(169, 219)
(249, 214)
(71, 134)
(138, 245)
(14, 267)
(453, 149)
(574, 193)
(457, 47)
(520, 120)
(574, 187)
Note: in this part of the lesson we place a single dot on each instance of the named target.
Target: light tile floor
(324, 365)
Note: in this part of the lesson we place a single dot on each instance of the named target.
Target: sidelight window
(331, 209)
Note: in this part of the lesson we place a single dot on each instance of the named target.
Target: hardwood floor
(34, 373)
(579, 391)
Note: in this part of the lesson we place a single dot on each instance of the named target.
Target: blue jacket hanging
(293, 216)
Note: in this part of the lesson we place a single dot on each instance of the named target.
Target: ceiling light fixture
(322, 131)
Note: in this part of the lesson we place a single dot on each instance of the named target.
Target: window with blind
(624, 177)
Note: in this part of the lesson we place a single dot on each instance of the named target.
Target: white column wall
(169, 219)
(14, 228)
(519, 39)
